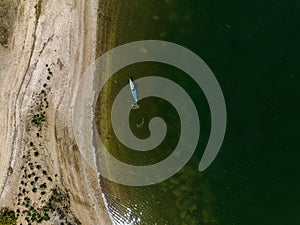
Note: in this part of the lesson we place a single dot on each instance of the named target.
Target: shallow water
(252, 48)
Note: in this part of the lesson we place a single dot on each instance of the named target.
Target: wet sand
(42, 61)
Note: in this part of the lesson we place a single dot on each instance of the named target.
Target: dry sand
(45, 47)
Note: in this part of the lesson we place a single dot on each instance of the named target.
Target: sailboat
(133, 93)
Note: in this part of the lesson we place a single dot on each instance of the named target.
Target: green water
(253, 49)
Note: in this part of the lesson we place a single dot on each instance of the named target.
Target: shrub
(38, 119)
(7, 217)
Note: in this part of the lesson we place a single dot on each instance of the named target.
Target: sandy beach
(45, 47)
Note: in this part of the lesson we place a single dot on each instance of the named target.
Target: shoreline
(53, 44)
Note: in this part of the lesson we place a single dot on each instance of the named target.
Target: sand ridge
(53, 43)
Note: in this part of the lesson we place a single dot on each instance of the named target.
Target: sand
(46, 47)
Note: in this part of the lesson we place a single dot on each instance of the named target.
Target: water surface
(252, 48)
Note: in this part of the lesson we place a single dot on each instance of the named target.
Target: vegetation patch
(39, 199)
(7, 217)
(38, 120)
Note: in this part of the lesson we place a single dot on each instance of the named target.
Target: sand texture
(45, 47)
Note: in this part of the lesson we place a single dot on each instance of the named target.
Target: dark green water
(253, 49)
